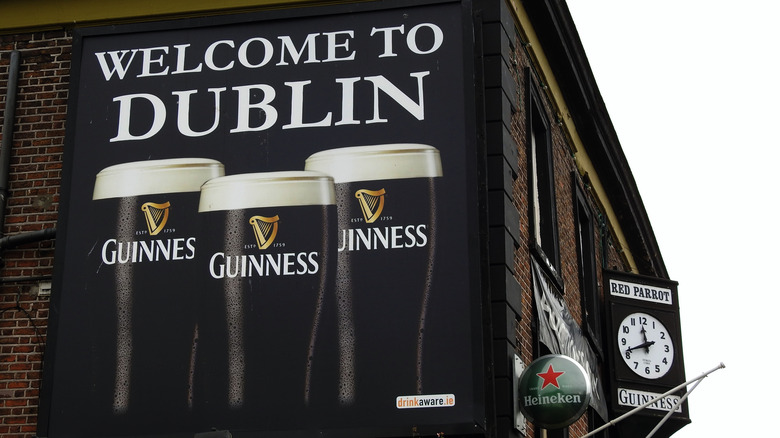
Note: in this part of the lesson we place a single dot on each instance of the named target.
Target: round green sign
(554, 391)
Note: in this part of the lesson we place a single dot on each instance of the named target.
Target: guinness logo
(371, 202)
(265, 229)
(156, 216)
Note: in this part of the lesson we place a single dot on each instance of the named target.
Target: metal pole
(669, 414)
(639, 408)
(5, 159)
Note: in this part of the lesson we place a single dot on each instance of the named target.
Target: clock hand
(644, 336)
(644, 345)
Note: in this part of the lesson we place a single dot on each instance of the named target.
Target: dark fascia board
(563, 48)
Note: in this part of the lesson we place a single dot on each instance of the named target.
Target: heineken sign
(554, 391)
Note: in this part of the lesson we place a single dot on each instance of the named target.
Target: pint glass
(387, 213)
(268, 269)
(138, 280)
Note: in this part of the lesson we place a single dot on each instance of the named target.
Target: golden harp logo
(156, 216)
(371, 202)
(265, 229)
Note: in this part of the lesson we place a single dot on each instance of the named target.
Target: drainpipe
(5, 161)
(29, 237)
(8, 128)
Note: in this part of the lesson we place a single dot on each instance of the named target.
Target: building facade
(555, 215)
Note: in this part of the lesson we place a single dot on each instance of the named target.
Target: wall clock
(645, 345)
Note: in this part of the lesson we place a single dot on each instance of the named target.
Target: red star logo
(550, 377)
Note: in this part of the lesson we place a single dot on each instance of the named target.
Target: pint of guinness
(266, 354)
(387, 232)
(143, 329)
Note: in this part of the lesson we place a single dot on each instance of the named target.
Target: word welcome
(252, 107)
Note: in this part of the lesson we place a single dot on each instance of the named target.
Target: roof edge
(560, 40)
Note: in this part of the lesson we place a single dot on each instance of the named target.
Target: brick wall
(524, 74)
(33, 196)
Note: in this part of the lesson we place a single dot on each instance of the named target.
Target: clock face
(645, 345)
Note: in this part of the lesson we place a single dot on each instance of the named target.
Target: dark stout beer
(267, 267)
(143, 331)
(387, 214)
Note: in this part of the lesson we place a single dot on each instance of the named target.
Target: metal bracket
(520, 423)
(44, 288)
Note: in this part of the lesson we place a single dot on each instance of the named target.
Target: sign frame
(472, 179)
(627, 294)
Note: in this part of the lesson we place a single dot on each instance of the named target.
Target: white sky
(693, 90)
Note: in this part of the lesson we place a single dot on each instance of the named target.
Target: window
(586, 257)
(589, 291)
(542, 186)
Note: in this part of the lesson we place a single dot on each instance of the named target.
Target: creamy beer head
(378, 162)
(155, 176)
(269, 189)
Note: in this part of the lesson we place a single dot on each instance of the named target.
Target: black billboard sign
(233, 252)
